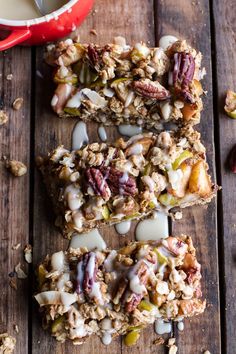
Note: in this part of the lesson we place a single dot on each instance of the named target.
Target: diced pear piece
(131, 338)
(189, 110)
(199, 181)
(183, 184)
(186, 154)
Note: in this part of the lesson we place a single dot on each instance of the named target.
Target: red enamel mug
(47, 28)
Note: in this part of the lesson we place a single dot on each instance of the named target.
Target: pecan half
(119, 182)
(182, 75)
(151, 89)
(133, 302)
(93, 57)
(98, 183)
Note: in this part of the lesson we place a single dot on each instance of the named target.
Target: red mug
(47, 28)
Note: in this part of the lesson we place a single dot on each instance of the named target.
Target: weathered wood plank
(14, 192)
(225, 41)
(109, 19)
(191, 20)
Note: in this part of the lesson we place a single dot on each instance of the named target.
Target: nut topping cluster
(128, 289)
(118, 83)
(105, 184)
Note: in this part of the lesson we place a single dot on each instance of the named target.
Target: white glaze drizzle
(180, 326)
(91, 240)
(153, 229)
(129, 130)
(123, 227)
(102, 133)
(79, 135)
(166, 41)
(162, 327)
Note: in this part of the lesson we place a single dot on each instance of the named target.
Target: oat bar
(117, 83)
(107, 183)
(111, 293)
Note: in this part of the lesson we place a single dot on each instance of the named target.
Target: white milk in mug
(26, 9)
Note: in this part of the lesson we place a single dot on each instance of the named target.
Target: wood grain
(191, 20)
(225, 75)
(109, 19)
(14, 192)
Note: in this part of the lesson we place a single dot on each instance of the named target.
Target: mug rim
(35, 21)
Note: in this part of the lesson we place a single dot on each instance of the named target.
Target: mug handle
(15, 37)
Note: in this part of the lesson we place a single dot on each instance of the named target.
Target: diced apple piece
(160, 256)
(132, 337)
(186, 154)
(105, 212)
(199, 181)
(146, 306)
(57, 324)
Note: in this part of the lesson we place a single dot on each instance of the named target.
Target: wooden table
(26, 215)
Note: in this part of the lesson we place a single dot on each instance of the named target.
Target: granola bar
(117, 83)
(111, 293)
(107, 183)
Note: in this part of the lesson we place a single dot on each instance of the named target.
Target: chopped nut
(16, 328)
(17, 168)
(19, 272)
(7, 343)
(3, 117)
(28, 253)
(173, 349)
(17, 104)
(13, 284)
(15, 247)
(94, 32)
(159, 341)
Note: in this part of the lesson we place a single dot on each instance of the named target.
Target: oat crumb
(19, 272)
(9, 77)
(17, 104)
(28, 253)
(15, 247)
(7, 343)
(178, 215)
(159, 341)
(17, 168)
(3, 117)
(172, 347)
